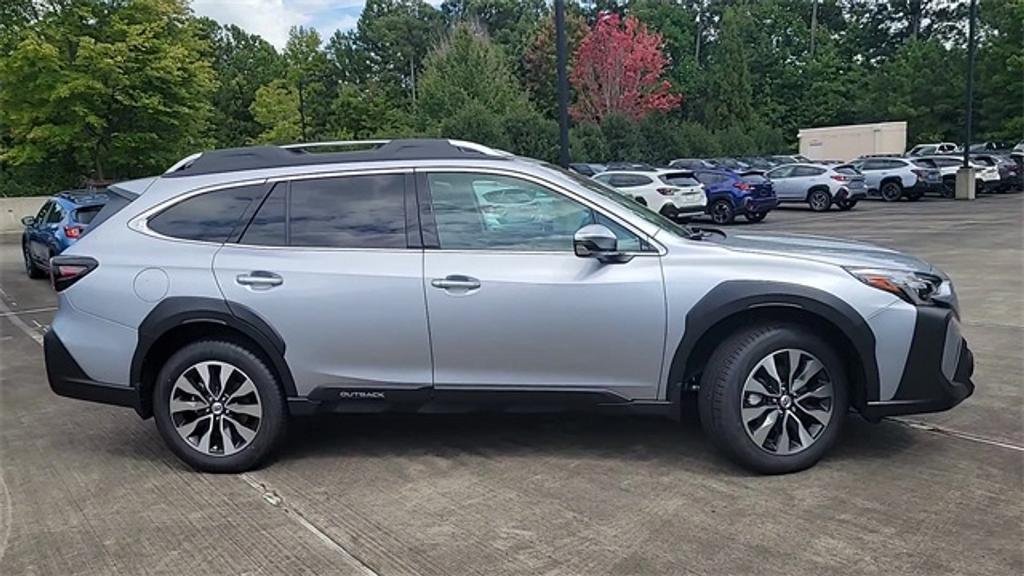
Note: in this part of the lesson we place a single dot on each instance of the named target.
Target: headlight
(916, 288)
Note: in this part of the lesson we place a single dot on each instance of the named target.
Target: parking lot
(91, 489)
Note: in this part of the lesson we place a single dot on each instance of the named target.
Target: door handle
(455, 282)
(259, 279)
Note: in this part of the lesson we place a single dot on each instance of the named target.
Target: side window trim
(428, 225)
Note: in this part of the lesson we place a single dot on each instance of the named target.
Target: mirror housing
(598, 241)
(28, 220)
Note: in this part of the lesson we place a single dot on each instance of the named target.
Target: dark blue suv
(60, 222)
(730, 193)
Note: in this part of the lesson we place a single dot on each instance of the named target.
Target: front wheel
(218, 407)
(722, 212)
(773, 397)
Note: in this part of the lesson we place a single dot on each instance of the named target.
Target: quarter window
(208, 217)
(529, 217)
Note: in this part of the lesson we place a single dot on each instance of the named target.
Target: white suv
(671, 193)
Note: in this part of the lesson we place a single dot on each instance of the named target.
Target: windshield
(611, 194)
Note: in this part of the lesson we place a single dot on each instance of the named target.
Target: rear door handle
(455, 282)
(259, 279)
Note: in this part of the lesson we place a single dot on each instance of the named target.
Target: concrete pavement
(90, 489)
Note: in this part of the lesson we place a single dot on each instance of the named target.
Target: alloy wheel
(720, 213)
(786, 403)
(215, 408)
(819, 201)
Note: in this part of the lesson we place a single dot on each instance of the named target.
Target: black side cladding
(729, 298)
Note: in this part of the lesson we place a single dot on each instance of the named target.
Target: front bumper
(937, 374)
(69, 380)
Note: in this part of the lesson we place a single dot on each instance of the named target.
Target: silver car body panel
(539, 320)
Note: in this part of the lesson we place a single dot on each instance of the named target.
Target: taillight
(743, 186)
(666, 191)
(73, 232)
(66, 270)
(840, 177)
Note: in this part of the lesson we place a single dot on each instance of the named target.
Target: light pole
(563, 85)
(965, 175)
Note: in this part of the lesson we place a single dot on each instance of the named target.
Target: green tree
(999, 89)
(466, 68)
(275, 109)
(509, 23)
(106, 89)
(540, 74)
(730, 88)
(309, 71)
(394, 37)
(242, 63)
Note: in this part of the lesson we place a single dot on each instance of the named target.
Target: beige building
(848, 142)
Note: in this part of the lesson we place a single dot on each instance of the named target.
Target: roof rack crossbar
(333, 144)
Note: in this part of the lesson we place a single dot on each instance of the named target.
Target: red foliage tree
(619, 70)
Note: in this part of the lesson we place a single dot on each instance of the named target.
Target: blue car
(730, 194)
(60, 222)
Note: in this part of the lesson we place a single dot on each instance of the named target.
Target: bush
(530, 134)
(588, 144)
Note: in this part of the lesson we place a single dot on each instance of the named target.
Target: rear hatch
(759, 185)
(853, 179)
(927, 171)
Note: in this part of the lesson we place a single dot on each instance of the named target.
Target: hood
(828, 250)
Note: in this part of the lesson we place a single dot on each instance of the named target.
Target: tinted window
(808, 171)
(874, 165)
(116, 200)
(87, 214)
(350, 212)
(545, 221)
(209, 217)
(893, 164)
(44, 211)
(709, 179)
(849, 170)
(55, 215)
(754, 178)
(783, 172)
(682, 179)
(268, 225)
(926, 163)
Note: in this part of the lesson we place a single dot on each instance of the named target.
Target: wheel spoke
(794, 363)
(178, 405)
(813, 413)
(244, 431)
(802, 433)
(810, 370)
(243, 389)
(246, 409)
(769, 366)
(761, 433)
(819, 393)
(753, 413)
(754, 385)
(185, 385)
(782, 443)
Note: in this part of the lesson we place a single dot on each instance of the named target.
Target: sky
(271, 19)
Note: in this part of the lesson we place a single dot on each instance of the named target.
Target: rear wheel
(948, 187)
(773, 397)
(891, 191)
(846, 204)
(755, 216)
(31, 269)
(722, 212)
(819, 200)
(218, 407)
(915, 195)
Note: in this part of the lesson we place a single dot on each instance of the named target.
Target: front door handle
(259, 279)
(455, 282)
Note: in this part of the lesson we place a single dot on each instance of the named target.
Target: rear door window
(208, 217)
(348, 212)
(55, 215)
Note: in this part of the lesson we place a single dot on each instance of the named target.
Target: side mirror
(28, 220)
(598, 241)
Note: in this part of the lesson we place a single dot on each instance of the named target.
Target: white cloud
(272, 19)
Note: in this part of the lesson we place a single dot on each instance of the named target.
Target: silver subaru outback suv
(246, 286)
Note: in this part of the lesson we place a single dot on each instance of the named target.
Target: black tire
(669, 211)
(273, 422)
(754, 217)
(722, 390)
(891, 191)
(948, 187)
(722, 212)
(819, 200)
(31, 269)
(846, 204)
(915, 195)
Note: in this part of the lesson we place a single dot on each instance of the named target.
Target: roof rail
(263, 157)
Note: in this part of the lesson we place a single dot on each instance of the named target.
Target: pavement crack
(925, 426)
(272, 497)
